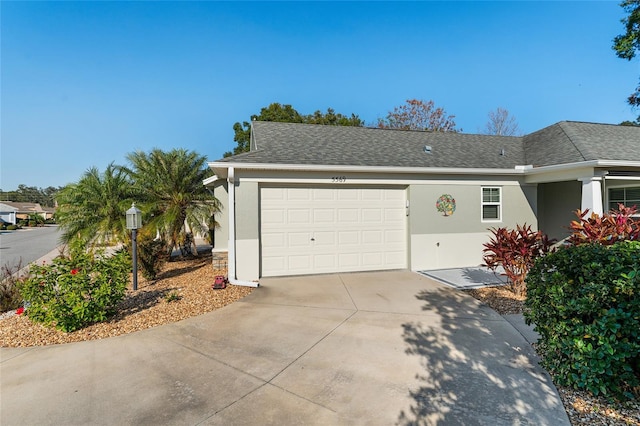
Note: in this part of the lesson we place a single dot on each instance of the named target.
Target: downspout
(231, 261)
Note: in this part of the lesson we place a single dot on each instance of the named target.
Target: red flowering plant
(73, 292)
(515, 250)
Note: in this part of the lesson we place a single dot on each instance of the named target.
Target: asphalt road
(23, 246)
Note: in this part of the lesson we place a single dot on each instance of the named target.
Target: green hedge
(585, 303)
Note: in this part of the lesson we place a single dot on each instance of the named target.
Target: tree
(175, 197)
(31, 194)
(627, 45)
(330, 118)
(416, 114)
(501, 123)
(92, 211)
(287, 114)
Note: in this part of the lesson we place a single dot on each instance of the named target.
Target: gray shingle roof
(289, 143)
(564, 142)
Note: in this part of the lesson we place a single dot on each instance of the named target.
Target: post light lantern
(134, 222)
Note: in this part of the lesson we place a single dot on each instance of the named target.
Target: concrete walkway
(365, 348)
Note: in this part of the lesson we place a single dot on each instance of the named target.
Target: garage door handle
(313, 239)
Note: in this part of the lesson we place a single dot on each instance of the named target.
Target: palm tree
(92, 211)
(175, 196)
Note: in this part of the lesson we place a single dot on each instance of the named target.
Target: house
(12, 212)
(8, 213)
(310, 199)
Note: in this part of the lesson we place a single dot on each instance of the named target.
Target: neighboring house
(22, 211)
(8, 213)
(314, 199)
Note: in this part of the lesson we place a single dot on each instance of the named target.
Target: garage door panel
(299, 239)
(298, 194)
(372, 259)
(348, 238)
(394, 236)
(324, 216)
(299, 263)
(321, 194)
(372, 215)
(325, 262)
(331, 229)
(372, 237)
(273, 241)
(373, 195)
(348, 216)
(348, 194)
(324, 238)
(299, 217)
(394, 215)
(273, 217)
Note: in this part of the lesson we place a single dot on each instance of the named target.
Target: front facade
(312, 199)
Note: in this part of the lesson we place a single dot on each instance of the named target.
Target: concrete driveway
(379, 348)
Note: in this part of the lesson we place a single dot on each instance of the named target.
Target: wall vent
(427, 149)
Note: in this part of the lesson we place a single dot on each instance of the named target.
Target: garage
(311, 230)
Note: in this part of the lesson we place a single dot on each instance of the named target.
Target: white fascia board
(218, 168)
(618, 163)
(210, 180)
(580, 165)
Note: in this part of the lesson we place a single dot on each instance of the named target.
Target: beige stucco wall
(439, 241)
(557, 202)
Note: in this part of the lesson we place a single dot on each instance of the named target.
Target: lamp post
(134, 222)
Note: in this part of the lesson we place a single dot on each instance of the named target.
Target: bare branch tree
(501, 123)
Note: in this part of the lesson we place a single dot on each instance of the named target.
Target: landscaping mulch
(182, 290)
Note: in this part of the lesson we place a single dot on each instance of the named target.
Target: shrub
(515, 250)
(10, 297)
(76, 291)
(151, 255)
(611, 227)
(12, 227)
(585, 302)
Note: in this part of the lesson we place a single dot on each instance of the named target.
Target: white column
(592, 195)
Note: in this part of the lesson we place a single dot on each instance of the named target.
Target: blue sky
(85, 83)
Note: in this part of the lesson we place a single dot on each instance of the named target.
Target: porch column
(592, 194)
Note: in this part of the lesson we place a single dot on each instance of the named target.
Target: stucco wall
(247, 230)
(439, 241)
(557, 202)
(221, 238)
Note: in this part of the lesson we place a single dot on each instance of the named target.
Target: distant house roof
(24, 207)
(565, 142)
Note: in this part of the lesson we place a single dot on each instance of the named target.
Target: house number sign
(338, 179)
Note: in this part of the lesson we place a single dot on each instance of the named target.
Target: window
(629, 196)
(491, 204)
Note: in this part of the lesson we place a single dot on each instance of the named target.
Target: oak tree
(287, 114)
(627, 45)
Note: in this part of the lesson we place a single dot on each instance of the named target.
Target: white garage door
(327, 229)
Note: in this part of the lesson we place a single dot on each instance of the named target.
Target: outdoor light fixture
(134, 222)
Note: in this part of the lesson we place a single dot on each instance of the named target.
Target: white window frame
(483, 203)
(625, 186)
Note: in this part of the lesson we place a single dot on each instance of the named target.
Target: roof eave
(220, 169)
